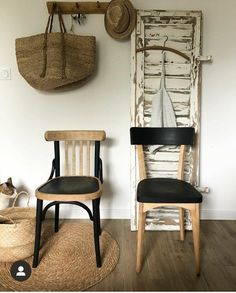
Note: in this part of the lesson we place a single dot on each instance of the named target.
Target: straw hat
(120, 19)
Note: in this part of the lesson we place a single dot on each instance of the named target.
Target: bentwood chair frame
(141, 136)
(73, 188)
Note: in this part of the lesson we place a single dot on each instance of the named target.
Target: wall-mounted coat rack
(79, 7)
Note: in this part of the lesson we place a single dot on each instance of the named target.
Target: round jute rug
(67, 260)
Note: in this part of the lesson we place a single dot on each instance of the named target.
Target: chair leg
(196, 235)
(181, 224)
(140, 237)
(99, 222)
(37, 232)
(57, 217)
(96, 229)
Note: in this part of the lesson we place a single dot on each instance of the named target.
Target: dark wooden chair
(158, 192)
(77, 184)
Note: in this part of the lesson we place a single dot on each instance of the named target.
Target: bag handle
(13, 205)
(49, 30)
(18, 194)
(50, 20)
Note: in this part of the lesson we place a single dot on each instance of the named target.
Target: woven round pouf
(67, 260)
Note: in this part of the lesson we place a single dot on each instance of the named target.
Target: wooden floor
(169, 263)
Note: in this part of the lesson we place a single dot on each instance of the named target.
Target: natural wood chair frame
(144, 207)
(72, 139)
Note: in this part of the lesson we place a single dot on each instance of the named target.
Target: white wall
(104, 103)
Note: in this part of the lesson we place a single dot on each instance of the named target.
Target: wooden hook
(54, 7)
(98, 4)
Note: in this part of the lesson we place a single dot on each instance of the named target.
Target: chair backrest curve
(59, 135)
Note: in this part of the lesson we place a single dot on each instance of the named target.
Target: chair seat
(67, 187)
(167, 190)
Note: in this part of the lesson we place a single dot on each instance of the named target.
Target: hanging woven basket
(55, 59)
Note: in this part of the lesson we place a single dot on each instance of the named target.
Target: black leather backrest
(162, 135)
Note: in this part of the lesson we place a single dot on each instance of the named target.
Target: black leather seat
(167, 190)
(71, 185)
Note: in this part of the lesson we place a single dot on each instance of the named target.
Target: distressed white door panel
(176, 96)
(181, 44)
(174, 30)
(181, 109)
(168, 17)
(172, 83)
(154, 57)
(182, 82)
(170, 69)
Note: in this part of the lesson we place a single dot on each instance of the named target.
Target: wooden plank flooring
(169, 263)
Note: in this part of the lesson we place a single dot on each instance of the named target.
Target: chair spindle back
(78, 146)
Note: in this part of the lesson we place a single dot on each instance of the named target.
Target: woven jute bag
(17, 226)
(51, 60)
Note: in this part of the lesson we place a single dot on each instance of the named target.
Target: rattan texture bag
(17, 225)
(55, 59)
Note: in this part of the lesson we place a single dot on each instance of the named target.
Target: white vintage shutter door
(182, 82)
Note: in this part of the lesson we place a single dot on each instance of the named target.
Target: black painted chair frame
(94, 215)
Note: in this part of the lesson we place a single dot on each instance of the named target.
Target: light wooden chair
(158, 192)
(77, 184)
